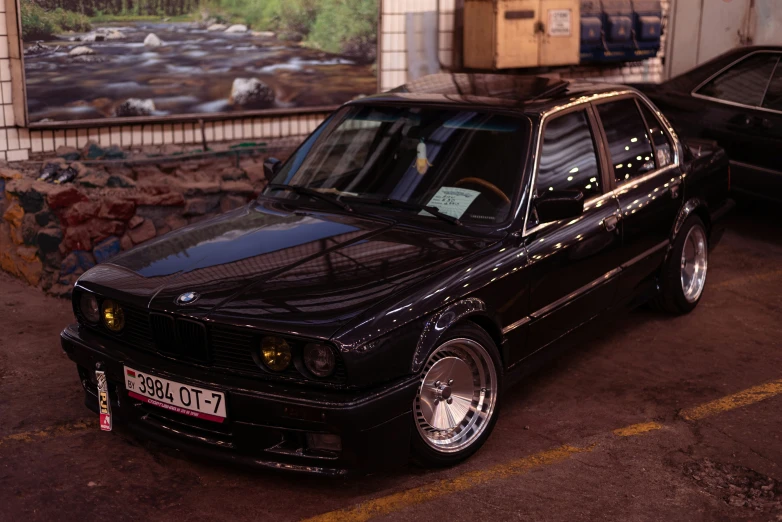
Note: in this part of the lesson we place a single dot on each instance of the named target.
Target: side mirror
(271, 166)
(559, 204)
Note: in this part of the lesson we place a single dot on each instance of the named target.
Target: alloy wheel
(694, 263)
(457, 395)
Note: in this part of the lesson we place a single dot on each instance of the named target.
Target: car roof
(527, 93)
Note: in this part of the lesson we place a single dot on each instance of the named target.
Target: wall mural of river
(173, 68)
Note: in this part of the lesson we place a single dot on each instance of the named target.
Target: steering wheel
(487, 185)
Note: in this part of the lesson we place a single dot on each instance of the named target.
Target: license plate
(176, 397)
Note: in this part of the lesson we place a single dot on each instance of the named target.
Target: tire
(683, 275)
(464, 370)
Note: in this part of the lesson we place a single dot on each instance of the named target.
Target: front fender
(441, 321)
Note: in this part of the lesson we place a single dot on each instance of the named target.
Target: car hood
(265, 266)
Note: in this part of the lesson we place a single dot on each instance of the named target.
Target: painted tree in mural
(329, 22)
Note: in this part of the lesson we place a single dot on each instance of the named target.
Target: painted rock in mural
(251, 93)
(237, 28)
(134, 107)
(81, 50)
(152, 41)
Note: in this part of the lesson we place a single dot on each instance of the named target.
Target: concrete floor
(554, 454)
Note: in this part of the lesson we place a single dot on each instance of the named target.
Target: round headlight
(319, 359)
(113, 316)
(88, 305)
(275, 353)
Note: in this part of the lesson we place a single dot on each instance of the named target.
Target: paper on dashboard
(452, 201)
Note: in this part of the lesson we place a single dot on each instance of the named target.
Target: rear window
(745, 82)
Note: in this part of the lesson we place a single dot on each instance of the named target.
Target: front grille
(231, 349)
(164, 334)
(218, 346)
(137, 331)
(179, 337)
(192, 339)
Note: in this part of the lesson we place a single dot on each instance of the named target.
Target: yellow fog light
(275, 353)
(113, 316)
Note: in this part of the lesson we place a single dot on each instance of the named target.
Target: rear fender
(693, 206)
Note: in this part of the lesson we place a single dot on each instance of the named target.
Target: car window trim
(595, 140)
(601, 150)
(544, 116)
(666, 127)
(649, 136)
(768, 85)
(694, 93)
(663, 124)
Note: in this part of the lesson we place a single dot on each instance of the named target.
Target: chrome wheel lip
(694, 264)
(452, 426)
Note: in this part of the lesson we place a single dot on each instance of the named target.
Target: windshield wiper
(406, 205)
(298, 189)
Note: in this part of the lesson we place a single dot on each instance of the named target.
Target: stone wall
(51, 233)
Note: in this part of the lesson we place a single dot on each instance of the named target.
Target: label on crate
(559, 22)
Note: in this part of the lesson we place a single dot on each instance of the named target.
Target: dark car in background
(736, 100)
(421, 251)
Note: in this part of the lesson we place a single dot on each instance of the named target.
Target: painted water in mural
(218, 59)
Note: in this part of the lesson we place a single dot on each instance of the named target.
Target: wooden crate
(504, 34)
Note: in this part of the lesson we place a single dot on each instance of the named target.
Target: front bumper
(267, 423)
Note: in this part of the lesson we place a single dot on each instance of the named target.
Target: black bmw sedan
(413, 258)
(736, 100)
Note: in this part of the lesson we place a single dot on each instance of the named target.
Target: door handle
(610, 222)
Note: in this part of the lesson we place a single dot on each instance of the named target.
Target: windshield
(465, 164)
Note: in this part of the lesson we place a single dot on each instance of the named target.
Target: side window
(568, 160)
(628, 141)
(773, 99)
(743, 83)
(662, 144)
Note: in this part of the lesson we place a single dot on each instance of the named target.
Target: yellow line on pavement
(398, 501)
(731, 402)
(637, 429)
(392, 503)
(54, 431)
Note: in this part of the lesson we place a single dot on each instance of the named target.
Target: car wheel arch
(471, 309)
(696, 206)
(692, 207)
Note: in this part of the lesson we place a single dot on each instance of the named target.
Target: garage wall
(394, 45)
(703, 29)
(768, 22)
(18, 142)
